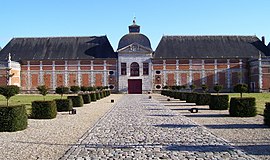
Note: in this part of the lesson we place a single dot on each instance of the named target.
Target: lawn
(261, 98)
(27, 99)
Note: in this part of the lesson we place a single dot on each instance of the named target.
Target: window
(134, 69)
(123, 69)
(145, 69)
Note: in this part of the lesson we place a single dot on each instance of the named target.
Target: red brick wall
(184, 80)
(222, 79)
(47, 80)
(197, 79)
(60, 80)
(98, 80)
(85, 80)
(34, 81)
(171, 81)
(72, 80)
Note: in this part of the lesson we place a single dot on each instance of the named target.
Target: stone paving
(141, 128)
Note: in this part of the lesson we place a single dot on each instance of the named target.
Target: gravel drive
(246, 133)
(142, 128)
(49, 139)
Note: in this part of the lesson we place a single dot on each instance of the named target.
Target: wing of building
(135, 67)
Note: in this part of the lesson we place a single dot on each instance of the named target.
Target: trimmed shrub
(62, 90)
(203, 99)
(93, 97)
(43, 90)
(75, 89)
(9, 91)
(86, 98)
(219, 102)
(77, 101)
(98, 95)
(43, 110)
(183, 96)
(101, 94)
(13, 118)
(191, 97)
(266, 114)
(63, 105)
(84, 88)
(243, 107)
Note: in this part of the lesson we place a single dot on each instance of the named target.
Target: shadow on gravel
(155, 109)
(162, 115)
(182, 104)
(200, 148)
(184, 109)
(236, 126)
(207, 115)
(256, 149)
(174, 125)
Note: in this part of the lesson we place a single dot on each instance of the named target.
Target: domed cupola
(133, 37)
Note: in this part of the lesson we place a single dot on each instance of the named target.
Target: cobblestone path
(142, 128)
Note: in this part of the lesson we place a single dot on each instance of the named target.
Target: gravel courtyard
(136, 127)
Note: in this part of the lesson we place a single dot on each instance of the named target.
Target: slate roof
(58, 48)
(210, 47)
(134, 38)
(269, 45)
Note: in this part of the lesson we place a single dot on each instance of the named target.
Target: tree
(218, 88)
(43, 90)
(192, 87)
(84, 88)
(62, 90)
(204, 87)
(9, 91)
(240, 88)
(75, 89)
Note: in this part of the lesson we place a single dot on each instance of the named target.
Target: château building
(135, 67)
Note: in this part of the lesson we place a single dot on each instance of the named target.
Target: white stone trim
(190, 72)
(79, 75)
(228, 74)
(215, 72)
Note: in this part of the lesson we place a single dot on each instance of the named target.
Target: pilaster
(190, 72)
(216, 72)
(53, 75)
(228, 74)
(66, 74)
(29, 85)
(177, 73)
(164, 73)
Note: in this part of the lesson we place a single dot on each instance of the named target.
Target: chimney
(263, 39)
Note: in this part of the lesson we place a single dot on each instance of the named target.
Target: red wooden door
(135, 86)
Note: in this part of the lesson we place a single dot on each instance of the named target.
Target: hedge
(63, 105)
(203, 98)
(93, 97)
(266, 114)
(13, 118)
(98, 95)
(77, 101)
(219, 102)
(191, 97)
(43, 110)
(243, 107)
(86, 98)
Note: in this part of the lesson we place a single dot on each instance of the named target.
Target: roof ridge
(209, 36)
(60, 37)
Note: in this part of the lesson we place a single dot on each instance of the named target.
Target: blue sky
(43, 18)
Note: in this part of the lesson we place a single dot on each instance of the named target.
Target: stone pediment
(135, 48)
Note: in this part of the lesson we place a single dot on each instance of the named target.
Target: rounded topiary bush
(98, 95)
(191, 97)
(43, 110)
(93, 97)
(86, 98)
(203, 99)
(219, 102)
(183, 96)
(63, 105)
(266, 114)
(13, 118)
(77, 101)
(243, 107)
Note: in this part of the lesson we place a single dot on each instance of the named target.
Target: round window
(157, 72)
(111, 72)
(111, 87)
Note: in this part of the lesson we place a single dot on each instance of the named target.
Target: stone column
(177, 73)
(92, 74)
(228, 74)
(41, 78)
(66, 74)
(260, 72)
(190, 72)
(203, 73)
(29, 85)
(53, 75)
(104, 73)
(164, 73)
(216, 72)
(241, 71)
(79, 75)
